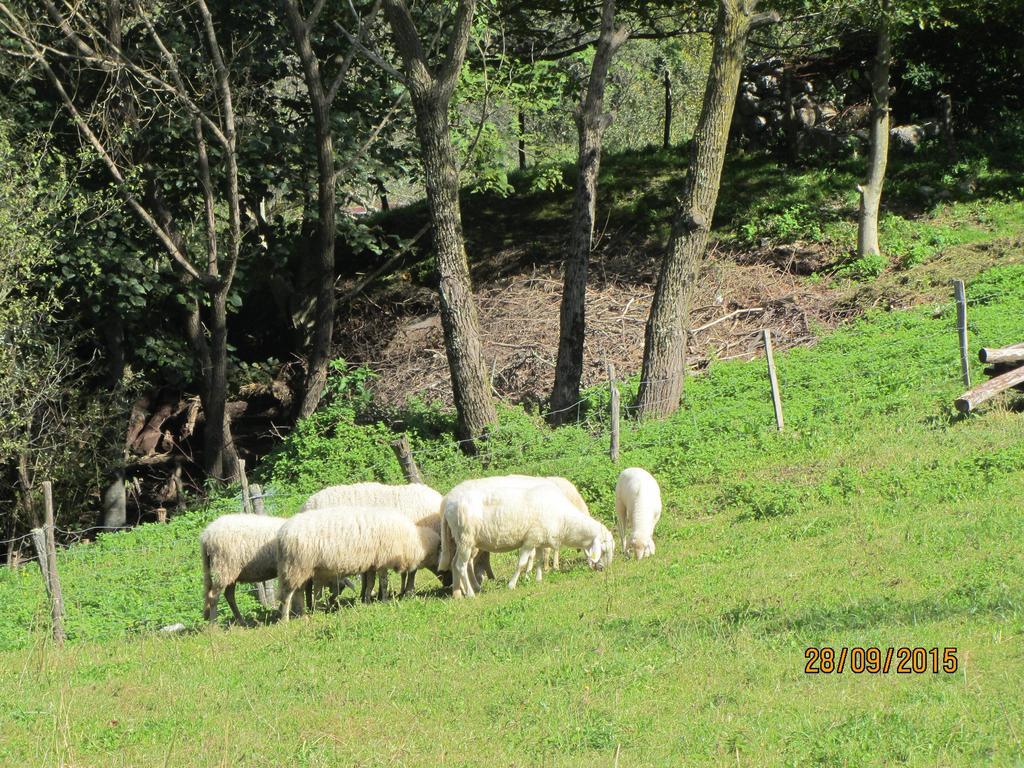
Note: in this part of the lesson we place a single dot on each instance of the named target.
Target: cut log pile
(1006, 367)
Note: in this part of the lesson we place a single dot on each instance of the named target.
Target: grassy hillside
(879, 518)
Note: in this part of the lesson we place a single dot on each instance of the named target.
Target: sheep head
(601, 549)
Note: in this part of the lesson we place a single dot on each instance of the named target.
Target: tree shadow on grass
(878, 611)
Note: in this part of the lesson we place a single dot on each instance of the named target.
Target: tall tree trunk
(591, 122)
(431, 93)
(666, 139)
(522, 140)
(871, 190)
(214, 405)
(323, 329)
(664, 365)
(471, 384)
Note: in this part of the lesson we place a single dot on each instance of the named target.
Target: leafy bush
(796, 222)
(865, 267)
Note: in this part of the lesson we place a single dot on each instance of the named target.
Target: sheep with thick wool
(327, 543)
(637, 511)
(237, 549)
(484, 515)
(415, 500)
(418, 502)
(482, 561)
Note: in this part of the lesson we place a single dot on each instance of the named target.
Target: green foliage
(331, 447)
(797, 222)
(866, 267)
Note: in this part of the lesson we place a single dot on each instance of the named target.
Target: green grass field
(879, 518)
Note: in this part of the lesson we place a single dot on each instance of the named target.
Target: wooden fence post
(613, 386)
(56, 598)
(776, 397)
(246, 501)
(403, 452)
(961, 326)
(264, 589)
(39, 542)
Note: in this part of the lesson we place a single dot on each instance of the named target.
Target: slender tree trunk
(112, 332)
(323, 266)
(666, 140)
(591, 122)
(664, 365)
(216, 397)
(871, 190)
(522, 140)
(471, 385)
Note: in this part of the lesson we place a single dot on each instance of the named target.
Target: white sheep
(418, 502)
(482, 560)
(480, 515)
(236, 548)
(637, 511)
(325, 543)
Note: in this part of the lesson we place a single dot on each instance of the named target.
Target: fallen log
(972, 398)
(1011, 354)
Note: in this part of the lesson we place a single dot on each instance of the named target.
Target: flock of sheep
(371, 529)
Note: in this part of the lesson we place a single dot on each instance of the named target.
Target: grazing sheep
(420, 503)
(482, 560)
(415, 500)
(637, 510)
(481, 515)
(236, 548)
(323, 543)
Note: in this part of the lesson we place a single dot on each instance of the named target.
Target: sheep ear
(594, 551)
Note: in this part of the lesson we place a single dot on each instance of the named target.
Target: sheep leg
(554, 559)
(229, 595)
(462, 585)
(287, 595)
(525, 556)
(366, 595)
(538, 574)
(210, 609)
(382, 585)
(475, 575)
(408, 583)
(481, 565)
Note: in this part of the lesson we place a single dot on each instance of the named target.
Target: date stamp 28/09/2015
(873, 660)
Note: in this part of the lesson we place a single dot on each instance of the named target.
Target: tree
(878, 155)
(160, 79)
(431, 90)
(321, 98)
(52, 423)
(591, 121)
(664, 363)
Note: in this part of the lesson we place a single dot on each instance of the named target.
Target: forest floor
(879, 518)
(780, 259)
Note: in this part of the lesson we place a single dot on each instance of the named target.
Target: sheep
(236, 548)
(480, 515)
(482, 561)
(416, 501)
(637, 510)
(323, 543)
